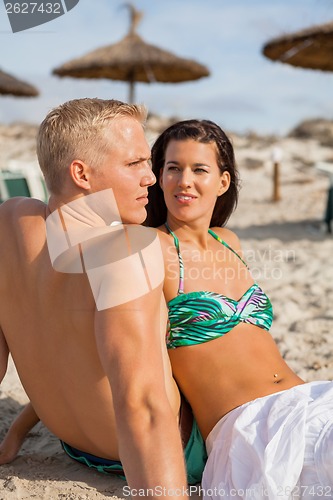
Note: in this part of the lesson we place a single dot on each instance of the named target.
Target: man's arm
(16, 434)
(129, 344)
(23, 423)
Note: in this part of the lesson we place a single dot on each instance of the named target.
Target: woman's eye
(201, 170)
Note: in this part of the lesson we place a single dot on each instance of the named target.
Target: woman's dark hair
(206, 132)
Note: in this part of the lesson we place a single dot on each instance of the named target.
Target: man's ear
(224, 183)
(80, 174)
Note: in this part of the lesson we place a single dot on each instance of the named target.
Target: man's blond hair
(75, 131)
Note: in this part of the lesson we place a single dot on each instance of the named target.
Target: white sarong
(277, 447)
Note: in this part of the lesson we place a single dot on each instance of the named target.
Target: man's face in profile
(126, 169)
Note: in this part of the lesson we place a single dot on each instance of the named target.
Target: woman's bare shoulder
(229, 237)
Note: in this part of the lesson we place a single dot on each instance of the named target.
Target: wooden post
(276, 158)
(276, 182)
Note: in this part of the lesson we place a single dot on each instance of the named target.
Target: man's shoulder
(18, 218)
(140, 238)
(137, 229)
(124, 265)
(18, 207)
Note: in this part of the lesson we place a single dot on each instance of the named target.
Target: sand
(289, 252)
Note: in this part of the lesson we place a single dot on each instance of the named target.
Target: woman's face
(191, 180)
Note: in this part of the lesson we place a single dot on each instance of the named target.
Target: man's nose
(148, 178)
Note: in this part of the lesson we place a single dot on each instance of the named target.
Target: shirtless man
(98, 377)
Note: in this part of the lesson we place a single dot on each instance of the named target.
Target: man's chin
(137, 218)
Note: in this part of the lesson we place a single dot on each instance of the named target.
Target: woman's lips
(185, 198)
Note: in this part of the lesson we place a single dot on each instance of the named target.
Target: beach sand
(289, 253)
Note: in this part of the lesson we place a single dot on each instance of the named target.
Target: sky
(244, 92)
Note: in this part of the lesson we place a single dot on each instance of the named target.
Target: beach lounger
(22, 184)
(13, 185)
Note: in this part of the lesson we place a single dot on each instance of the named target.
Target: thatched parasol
(310, 48)
(11, 85)
(133, 60)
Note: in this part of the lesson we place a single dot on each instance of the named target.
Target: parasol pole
(135, 17)
(131, 90)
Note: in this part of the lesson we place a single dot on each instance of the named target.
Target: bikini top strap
(181, 263)
(226, 245)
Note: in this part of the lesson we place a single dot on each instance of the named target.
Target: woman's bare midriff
(220, 375)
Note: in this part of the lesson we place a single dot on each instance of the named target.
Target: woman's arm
(16, 434)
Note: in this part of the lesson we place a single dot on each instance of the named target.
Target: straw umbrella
(310, 48)
(133, 60)
(11, 85)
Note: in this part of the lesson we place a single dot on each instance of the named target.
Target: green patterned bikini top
(198, 317)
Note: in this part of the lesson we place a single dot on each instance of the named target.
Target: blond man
(89, 345)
